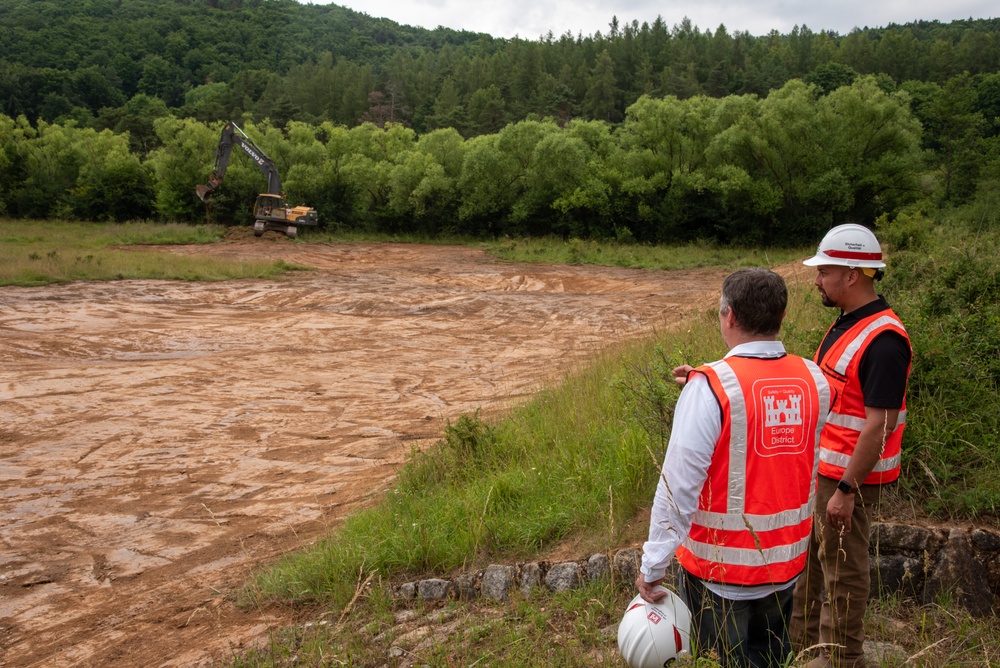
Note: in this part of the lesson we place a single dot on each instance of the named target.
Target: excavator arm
(232, 135)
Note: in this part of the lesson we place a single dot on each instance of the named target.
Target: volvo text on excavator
(270, 211)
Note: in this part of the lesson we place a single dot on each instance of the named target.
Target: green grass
(609, 253)
(945, 285)
(544, 630)
(488, 491)
(36, 253)
(574, 629)
(612, 253)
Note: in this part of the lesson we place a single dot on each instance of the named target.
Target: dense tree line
(734, 168)
(216, 59)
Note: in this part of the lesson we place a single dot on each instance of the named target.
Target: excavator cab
(271, 212)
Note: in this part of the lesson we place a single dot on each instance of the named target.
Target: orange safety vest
(755, 510)
(840, 365)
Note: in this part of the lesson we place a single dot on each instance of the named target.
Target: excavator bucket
(203, 192)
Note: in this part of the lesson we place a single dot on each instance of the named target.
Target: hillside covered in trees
(218, 59)
(111, 109)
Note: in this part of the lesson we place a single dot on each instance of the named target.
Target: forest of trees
(278, 59)
(111, 110)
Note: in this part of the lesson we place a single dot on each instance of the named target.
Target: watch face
(844, 486)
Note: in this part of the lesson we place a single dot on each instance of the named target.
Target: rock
(598, 567)
(897, 573)
(531, 577)
(958, 573)
(625, 565)
(404, 616)
(885, 653)
(407, 591)
(465, 586)
(563, 577)
(498, 581)
(988, 541)
(895, 537)
(434, 589)
(610, 632)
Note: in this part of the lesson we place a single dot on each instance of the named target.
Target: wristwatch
(845, 487)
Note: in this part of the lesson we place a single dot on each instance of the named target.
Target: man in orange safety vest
(866, 357)
(734, 500)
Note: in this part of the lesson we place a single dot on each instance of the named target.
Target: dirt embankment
(160, 440)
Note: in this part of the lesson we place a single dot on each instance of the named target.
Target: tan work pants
(832, 593)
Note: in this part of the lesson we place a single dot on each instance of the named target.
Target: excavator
(270, 211)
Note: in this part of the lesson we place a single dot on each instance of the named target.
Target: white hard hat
(653, 635)
(848, 246)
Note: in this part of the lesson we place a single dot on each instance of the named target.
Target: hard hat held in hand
(848, 246)
(653, 635)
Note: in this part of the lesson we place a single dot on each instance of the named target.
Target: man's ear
(730, 318)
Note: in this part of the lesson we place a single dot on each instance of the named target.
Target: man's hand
(681, 373)
(649, 591)
(839, 511)
(879, 423)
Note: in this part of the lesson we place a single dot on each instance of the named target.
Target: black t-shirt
(882, 371)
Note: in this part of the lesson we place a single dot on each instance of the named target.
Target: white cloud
(531, 19)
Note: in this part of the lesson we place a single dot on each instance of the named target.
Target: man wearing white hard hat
(734, 498)
(866, 357)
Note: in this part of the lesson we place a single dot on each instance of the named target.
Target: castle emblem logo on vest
(781, 407)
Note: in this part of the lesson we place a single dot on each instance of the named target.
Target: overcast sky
(531, 19)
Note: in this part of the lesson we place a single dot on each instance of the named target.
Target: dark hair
(757, 297)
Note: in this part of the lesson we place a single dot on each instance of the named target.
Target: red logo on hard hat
(653, 617)
(853, 255)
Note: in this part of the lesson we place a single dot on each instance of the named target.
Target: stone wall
(922, 563)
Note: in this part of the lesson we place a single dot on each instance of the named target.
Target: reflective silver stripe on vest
(855, 345)
(822, 411)
(739, 556)
(857, 423)
(823, 387)
(737, 438)
(841, 460)
(759, 523)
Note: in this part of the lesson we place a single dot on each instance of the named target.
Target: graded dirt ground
(159, 440)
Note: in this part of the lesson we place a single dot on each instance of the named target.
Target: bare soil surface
(159, 441)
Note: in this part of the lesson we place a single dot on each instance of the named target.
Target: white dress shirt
(696, 428)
